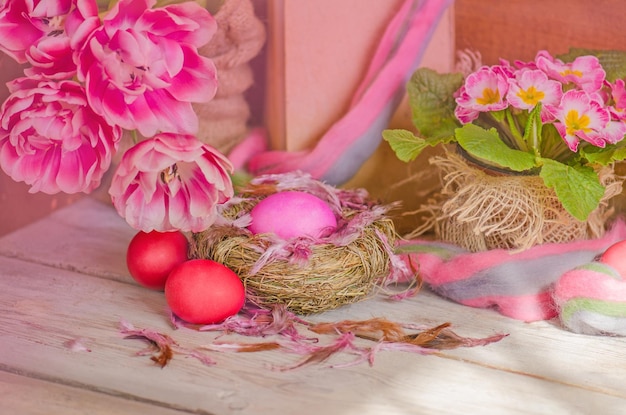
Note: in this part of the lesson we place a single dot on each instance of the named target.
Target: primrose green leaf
(577, 187)
(405, 144)
(604, 156)
(619, 154)
(534, 126)
(408, 146)
(486, 145)
(431, 96)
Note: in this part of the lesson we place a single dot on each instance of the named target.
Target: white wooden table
(64, 279)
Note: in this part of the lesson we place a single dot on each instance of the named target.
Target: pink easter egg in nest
(292, 214)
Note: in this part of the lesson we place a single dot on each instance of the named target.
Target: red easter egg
(151, 256)
(615, 256)
(202, 291)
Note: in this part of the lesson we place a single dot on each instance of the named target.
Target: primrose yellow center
(574, 122)
(531, 96)
(489, 97)
(571, 72)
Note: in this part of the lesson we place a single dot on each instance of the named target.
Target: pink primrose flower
(579, 117)
(171, 182)
(618, 95)
(51, 139)
(142, 69)
(505, 68)
(585, 72)
(531, 87)
(463, 114)
(483, 91)
(614, 132)
(523, 65)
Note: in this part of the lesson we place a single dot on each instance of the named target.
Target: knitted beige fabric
(240, 37)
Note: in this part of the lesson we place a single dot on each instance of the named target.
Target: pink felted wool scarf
(348, 143)
(591, 299)
(540, 283)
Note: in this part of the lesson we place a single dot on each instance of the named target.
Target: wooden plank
(45, 307)
(88, 236)
(21, 395)
(540, 349)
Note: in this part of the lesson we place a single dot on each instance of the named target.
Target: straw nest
(306, 275)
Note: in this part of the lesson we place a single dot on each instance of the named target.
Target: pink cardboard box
(318, 52)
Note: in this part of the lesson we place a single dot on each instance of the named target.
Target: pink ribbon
(348, 143)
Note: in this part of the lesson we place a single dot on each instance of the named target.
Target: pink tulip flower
(17, 33)
(52, 140)
(46, 33)
(171, 182)
(142, 69)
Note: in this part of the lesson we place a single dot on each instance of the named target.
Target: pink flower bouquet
(89, 75)
(558, 118)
